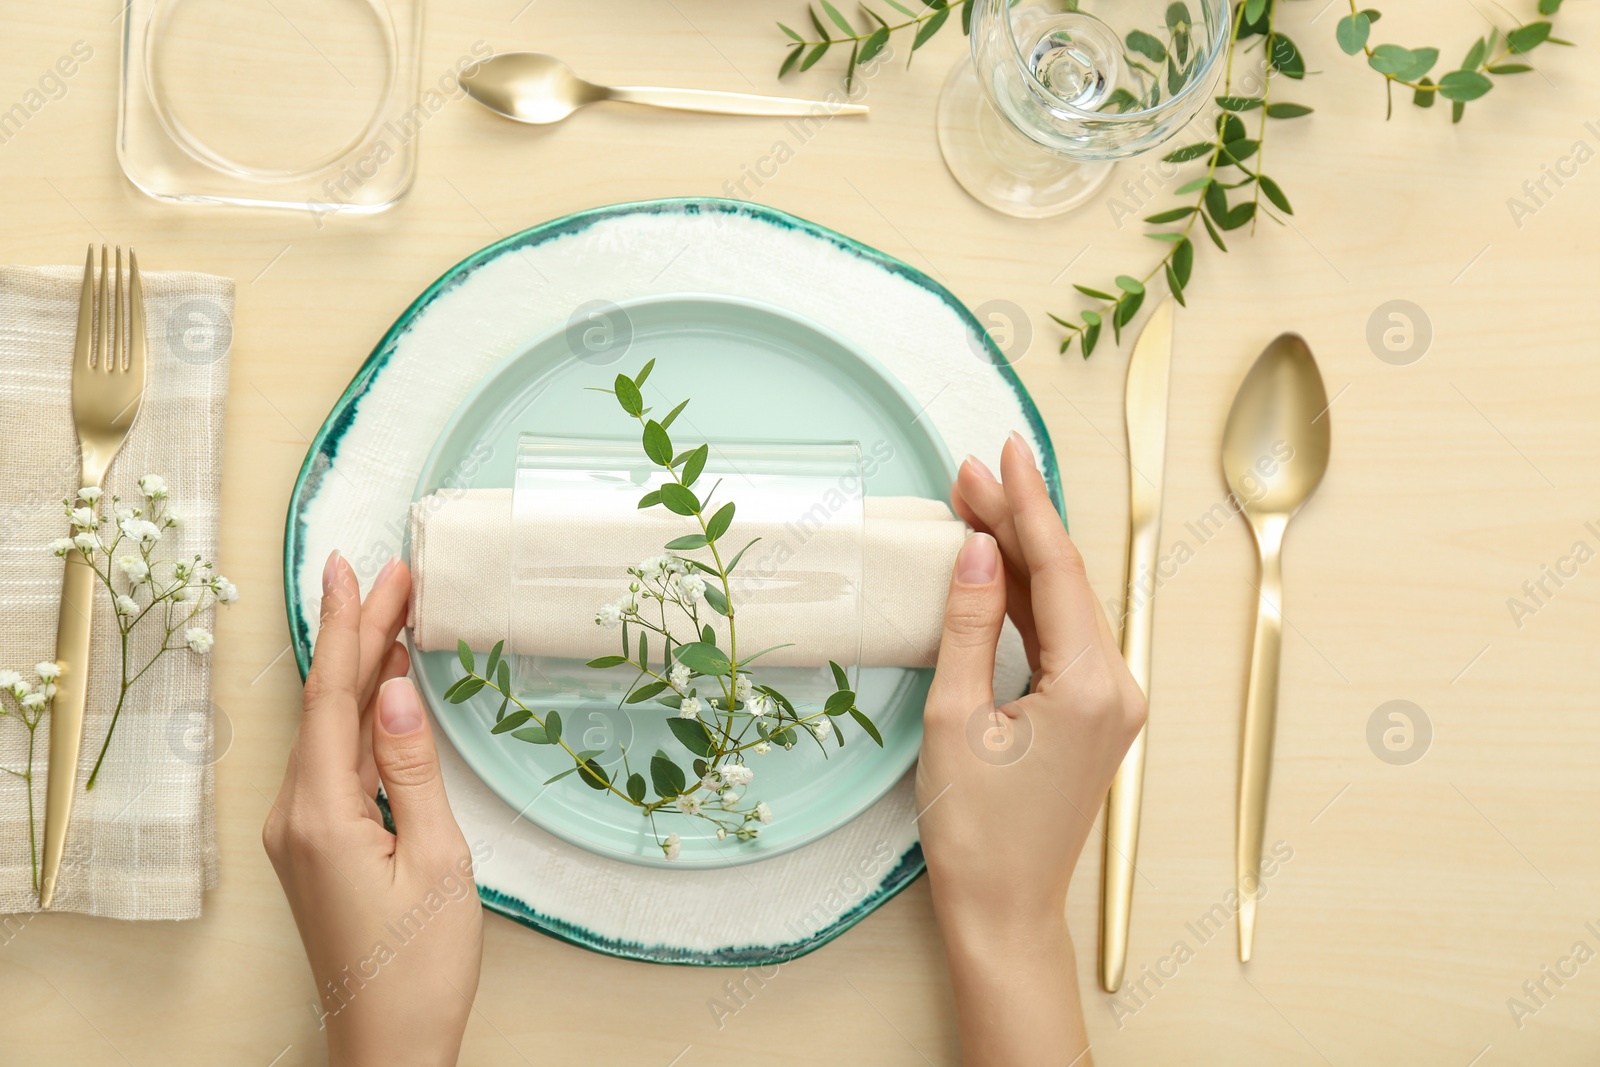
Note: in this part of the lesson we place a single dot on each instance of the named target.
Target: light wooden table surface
(1420, 898)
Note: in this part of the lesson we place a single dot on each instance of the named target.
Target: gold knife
(1146, 400)
(108, 377)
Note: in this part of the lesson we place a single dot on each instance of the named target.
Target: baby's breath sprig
(720, 713)
(1496, 53)
(28, 703)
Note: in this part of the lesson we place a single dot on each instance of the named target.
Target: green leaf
(874, 44)
(1170, 216)
(1216, 238)
(703, 658)
(563, 774)
(533, 735)
(1286, 58)
(649, 500)
(464, 690)
(594, 776)
(1178, 15)
(500, 712)
(718, 602)
(1130, 285)
(1508, 68)
(930, 28)
(667, 777)
(679, 500)
(1457, 109)
(720, 522)
(840, 679)
(666, 423)
(1274, 194)
(1183, 261)
(1405, 64)
(645, 692)
(1091, 337)
(1240, 150)
(838, 703)
(1287, 111)
(816, 22)
(1097, 294)
(1147, 45)
(1352, 33)
(815, 54)
(628, 396)
(1091, 317)
(1525, 39)
(512, 721)
(695, 464)
(636, 788)
(552, 726)
(1217, 201)
(657, 445)
(505, 677)
(1188, 152)
(1173, 285)
(838, 19)
(1424, 94)
(1549, 7)
(1193, 186)
(866, 724)
(1475, 54)
(692, 735)
(494, 659)
(708, 635)
(1253, 10)
(607, 661)
(1230, 127)
(1239, 103)
(1238, 215)
(739, 555)
(1126, 310)
(790, 33)
(1464, 85)
(687, 543)
(464, 654)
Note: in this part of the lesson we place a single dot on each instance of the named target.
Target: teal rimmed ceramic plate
(768, 375)
(369, 458)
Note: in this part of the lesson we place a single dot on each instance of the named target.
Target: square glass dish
(307, 104)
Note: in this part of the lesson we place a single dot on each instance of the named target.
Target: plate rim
(486, 384)
(324, 447)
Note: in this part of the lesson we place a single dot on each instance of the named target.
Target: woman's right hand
(1009, 792)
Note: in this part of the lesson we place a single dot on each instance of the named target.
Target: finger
(330, 722)
(1063, 603)
(982, 503)
(382, 616)
(408, 763)
(974, 609)
(396, 663)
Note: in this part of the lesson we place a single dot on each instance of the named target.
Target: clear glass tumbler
(1055, 90)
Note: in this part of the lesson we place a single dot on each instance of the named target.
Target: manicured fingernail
(978, 560)
(399, 707)
(329, 569)
(1016, 439)
(977, 465)
(387, 569)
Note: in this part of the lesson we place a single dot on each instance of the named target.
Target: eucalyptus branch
(872, 38)
(705, 726)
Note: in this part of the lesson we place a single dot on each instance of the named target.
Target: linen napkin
(142, 843)
(799, 585)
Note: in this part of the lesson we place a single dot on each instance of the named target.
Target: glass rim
(1224, 28)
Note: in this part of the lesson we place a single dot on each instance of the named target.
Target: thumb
(408, 765)
(973, 614)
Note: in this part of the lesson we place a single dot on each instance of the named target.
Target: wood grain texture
(1419, 898)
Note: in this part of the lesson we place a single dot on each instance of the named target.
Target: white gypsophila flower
(153, 486)
(9, 680)
(678, 677)
(628, 603)
(141, 530)
(761, 748)
(180, 593)
(20, 689)
(47, 671)
(737, 774)
(691, 587)
(722, 834)
(225, 590)
(743, 687)
(690, 708)
(763, 812)
(35, 700)
(652, 568)
(199, 639)
(60, 546)
(729, 799)
(49, 690)
(822, 728)
(134, 567)
(609, 616)
(672, 846)
(124, 514)
(126, 605)
(90, 493)
(710, 781)
(689, 805)
(84, 518)
(174, 516)
(86, 542)
(759, 705)
(181, 570)
(676, 565)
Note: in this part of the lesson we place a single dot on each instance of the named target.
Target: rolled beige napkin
(801, 584)
(142, 843)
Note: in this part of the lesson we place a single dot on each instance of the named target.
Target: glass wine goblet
(1056, 90)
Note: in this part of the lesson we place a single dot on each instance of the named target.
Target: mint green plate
(768, 375)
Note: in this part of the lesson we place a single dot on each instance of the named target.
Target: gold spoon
(1274, 453)
(539, 89)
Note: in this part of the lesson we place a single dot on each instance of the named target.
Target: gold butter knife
(108, 376)
(1146, 401)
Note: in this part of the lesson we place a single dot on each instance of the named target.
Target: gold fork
(108, 377)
